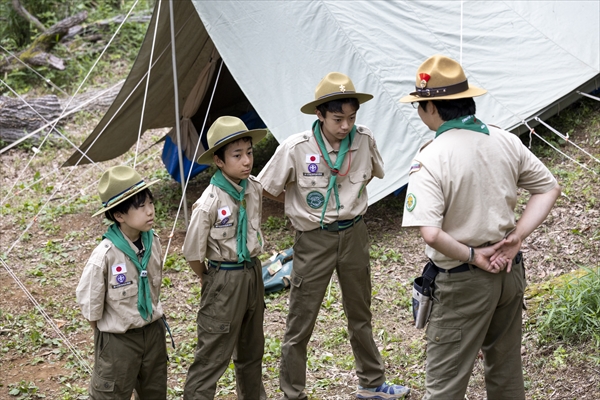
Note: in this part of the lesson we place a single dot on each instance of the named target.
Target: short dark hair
(220, 153)
(452, 109)
(136, 201)
(336, 105)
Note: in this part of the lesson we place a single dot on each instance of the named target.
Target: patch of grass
(572, 311)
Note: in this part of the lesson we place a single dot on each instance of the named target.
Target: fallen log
(17, 118)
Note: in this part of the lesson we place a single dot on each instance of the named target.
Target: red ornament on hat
(424, 79)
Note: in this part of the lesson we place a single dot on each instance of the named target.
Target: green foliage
(572, 312)
(263, 151)
(78, 53)
(25, 390)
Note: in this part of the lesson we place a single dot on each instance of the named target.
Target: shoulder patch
(411, 202)
(415, 166)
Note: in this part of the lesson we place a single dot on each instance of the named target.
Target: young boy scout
(119, 293)
(321, 175)
(225, 230)
(462, 192)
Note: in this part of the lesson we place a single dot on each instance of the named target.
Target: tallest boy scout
(321, 174)
(462, 192)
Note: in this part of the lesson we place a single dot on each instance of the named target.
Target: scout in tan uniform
(321, 175)
(225, 231)
(119, 293)
(462, 192)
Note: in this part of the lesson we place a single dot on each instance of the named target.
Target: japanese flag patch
(223, 214)
(313, 159)
(119, 269)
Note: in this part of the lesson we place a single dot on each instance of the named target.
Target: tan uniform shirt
(212, 233)
(465, 183)
(298, 168)
(108, 288)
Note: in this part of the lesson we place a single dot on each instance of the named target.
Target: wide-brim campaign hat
(118, 184)
(441, 78)
(226, 130)
(334, 86)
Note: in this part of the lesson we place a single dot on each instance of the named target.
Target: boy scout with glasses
(321, 175)
(225, 231)
(119, 293)
(462, 192)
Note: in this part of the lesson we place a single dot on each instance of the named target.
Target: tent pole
(177, 127)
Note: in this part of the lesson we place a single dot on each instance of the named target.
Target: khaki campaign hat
(334, 86)
(226, 130)
(441, 78)
(118, 184)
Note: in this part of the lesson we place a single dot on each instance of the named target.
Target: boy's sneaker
(383, 392)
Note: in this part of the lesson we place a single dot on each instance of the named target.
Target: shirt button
(224, 234)
(222, 327)
(341, 207)
(437, 338)
(210, 329)
(364, 176)
(211, 195)
(313, 183)
(124, 293)
(340, 185)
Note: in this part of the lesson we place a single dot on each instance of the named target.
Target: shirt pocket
(358, 177)
(123, 293)
(309, 182)
(223, 233)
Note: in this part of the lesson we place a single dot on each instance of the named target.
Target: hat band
(227, 137)
(126, 192)
(336, 93)
(442, 90)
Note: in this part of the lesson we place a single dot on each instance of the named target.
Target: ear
(320, 116)
(118, 217)
(431, 108)
(218, 162)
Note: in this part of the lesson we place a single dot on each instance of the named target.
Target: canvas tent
(532, 57)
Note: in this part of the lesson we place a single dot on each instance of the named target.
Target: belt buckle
(333, 227)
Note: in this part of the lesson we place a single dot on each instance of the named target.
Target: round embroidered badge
(313, 168)
(411, 202)
(121, 278)
(315, 200)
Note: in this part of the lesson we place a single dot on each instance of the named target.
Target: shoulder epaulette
(426, 144)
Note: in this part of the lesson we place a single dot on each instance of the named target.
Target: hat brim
(145, 186)
(309, 108)
(257, 135)
(473, 91)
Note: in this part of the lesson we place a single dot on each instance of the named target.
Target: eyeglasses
(415, 104)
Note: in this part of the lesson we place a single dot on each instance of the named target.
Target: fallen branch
(37, 54)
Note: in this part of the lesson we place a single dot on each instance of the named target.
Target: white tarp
(528, 55)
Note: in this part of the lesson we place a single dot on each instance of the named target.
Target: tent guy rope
(137, 144)
(45, 315)
(47, 80)
(187, 179)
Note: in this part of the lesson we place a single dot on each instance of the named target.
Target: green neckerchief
(335, 169)
(242, 229)
(468, 122)
(115, 235)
